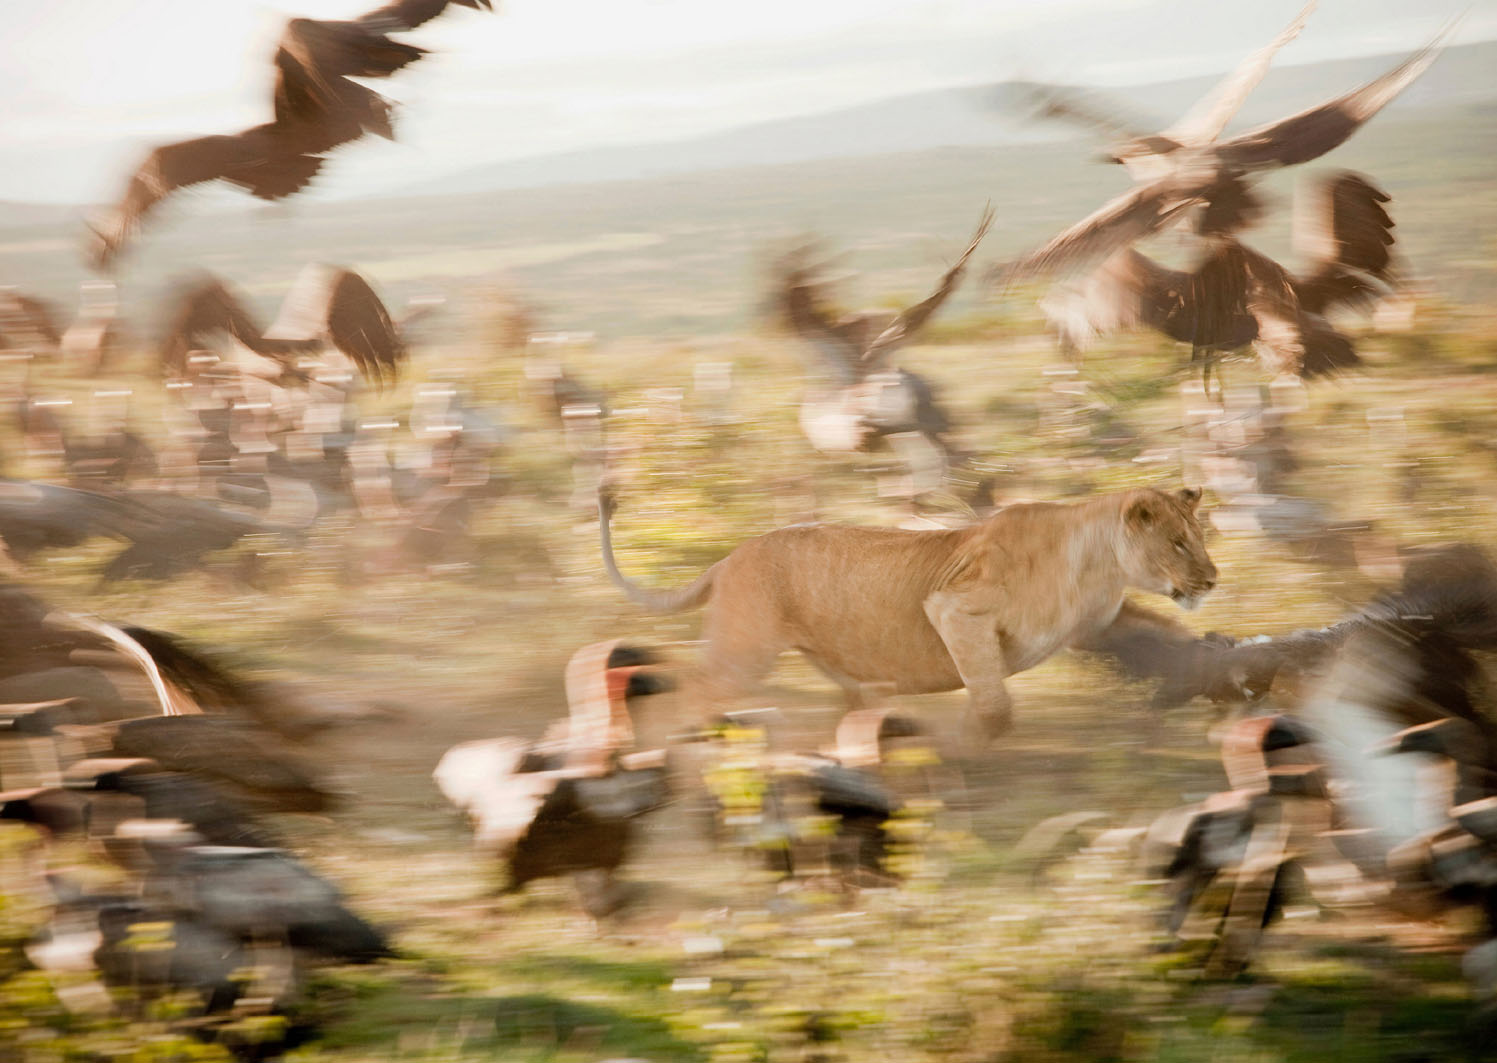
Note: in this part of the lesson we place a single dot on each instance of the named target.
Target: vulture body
(567, 805)
(1237, 296)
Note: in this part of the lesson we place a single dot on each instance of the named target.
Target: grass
(983, 955)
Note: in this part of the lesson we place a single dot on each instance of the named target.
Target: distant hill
(683, 254)
(975, 116)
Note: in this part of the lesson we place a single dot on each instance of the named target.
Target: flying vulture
(316, 109)
(1237, 296)
(1214, 179)
(327, 305)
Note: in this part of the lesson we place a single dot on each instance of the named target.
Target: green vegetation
(981, 955)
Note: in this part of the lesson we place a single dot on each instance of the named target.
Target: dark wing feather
(336, 304)
(1290, 338)
(203, 307)
(1204, 122)
(223, 750)
(1131, 216)
(913, 319)
(36, 515)
(800, 309)
(313, 95)
(408, 14)
(214, 688)
(1206, 308)
(359, 325)
(262, 160)
(1313, 132)
(1346, 230)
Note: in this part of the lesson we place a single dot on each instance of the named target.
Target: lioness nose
(1210, 583)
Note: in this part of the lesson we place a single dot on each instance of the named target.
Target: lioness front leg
(971, 637)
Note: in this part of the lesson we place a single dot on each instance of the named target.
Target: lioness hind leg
(972, 640)
(730, 671)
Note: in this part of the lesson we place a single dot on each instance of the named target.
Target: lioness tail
(677, 601)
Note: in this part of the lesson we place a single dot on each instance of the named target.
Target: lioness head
(1164, 550)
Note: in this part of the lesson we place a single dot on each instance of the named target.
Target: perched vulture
(226, 930)
(327, 305)
(316, 108)
(565, 805)
(1352, 796)
(1214, 179)
(1237, 296)
(852, 783)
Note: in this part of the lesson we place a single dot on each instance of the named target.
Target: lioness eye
(1180, 546)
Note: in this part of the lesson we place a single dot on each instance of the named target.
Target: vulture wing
(261, 160)
(312, 92)
(1127, 291)
(913, 319)
(1131, 216)
(204, 306)
(1204, 122)
(174, 700)
(408, 14)
(1290, 338)
(1344, 227)
(806, 317)
(336, 304)
(224, 751)
(1313, 132)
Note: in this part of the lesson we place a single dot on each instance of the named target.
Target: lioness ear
(1142, 513)
(1191, 496)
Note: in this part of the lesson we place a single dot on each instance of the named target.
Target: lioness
(927, 611)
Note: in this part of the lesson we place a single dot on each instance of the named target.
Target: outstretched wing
(173, 699)
(1204, 122)
(913, 319)
(1344, 227)
(408, 14)
(1131, 216)
(800, 309)
(313, 95)
(336, 304)
(203, 307)
(1313, 132)
(361, 327)
(261, 160)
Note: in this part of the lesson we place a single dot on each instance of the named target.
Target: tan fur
(927, 611)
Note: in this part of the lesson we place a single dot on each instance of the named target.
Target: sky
(88, 86)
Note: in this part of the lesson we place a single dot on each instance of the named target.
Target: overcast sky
(88, 85)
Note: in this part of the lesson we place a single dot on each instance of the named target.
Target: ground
(984, 954)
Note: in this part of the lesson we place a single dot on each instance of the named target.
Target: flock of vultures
(1374, 781)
